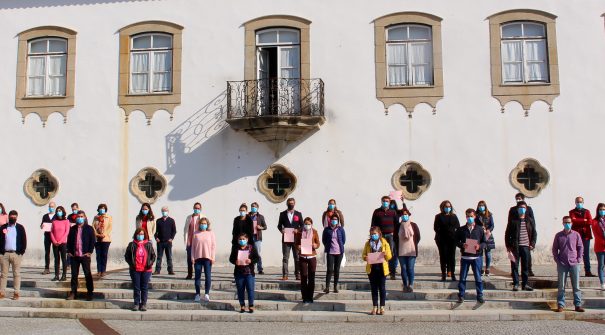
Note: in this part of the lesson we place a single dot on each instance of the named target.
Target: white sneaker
(603, 287)
(197, 298)
(206, 298)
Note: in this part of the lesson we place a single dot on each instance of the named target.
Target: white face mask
(308, 227)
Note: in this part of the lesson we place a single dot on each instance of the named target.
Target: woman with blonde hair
(376, 254)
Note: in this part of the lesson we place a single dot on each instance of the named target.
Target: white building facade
(224, 102)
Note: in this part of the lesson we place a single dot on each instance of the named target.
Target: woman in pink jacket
(58, 236)
(203, 254)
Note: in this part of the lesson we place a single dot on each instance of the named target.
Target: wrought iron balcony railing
(275, 97)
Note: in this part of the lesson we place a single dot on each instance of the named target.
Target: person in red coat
(598, 227)
(581, 221)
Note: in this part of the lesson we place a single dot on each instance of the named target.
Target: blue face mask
(522, 210)
(393, 206)
(75, 211)
(331, 207)
(101, 211)
(470, 221)
(385, 204)
(601, 212)
(80, 220)
(254, 210)
(374, 237)
(0, 210)
(482, 209)
(51, 209)
(447, 210)
(405, 218)
(197, 211)
(242, 242)
(580, 205)
(567, 226)
(59, 214)
(165, 214)
(145, 211)
(242, 213)
(203, 226)
(140, 237)
(334, 223)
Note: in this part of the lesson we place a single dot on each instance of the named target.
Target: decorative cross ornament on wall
(150, 185)
(529, 178)
(279, 183)
(44, 187)
(411, 180)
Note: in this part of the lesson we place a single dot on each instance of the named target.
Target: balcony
(276, 111)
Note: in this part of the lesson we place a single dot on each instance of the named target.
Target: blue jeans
(407, 269)
(392, 264)
(586, 255)
(488, 259)
(245, 283)
(140, 284)
(601, 260)
(102, 250)
(206, 264)
(257, 245)
(164, 247)
(574, 273)
(475, 264)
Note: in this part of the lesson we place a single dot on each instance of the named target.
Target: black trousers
(75, 271)
(378, 284)
(307, 277)
(333, 268)
(524, 257)
(47, 243)
(447, 257)
(60, 252)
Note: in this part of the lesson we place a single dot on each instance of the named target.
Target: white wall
(469, 147)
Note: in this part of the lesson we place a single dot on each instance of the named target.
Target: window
(524, 53)
(151, 64)
(41, 187)
(412, 179)
(46, 67)
(277, 183)
(409, 55)
(529, 177)
(408, 64)
(148, 185)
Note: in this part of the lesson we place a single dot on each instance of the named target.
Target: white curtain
(36, 73)
(421, 55)
(535, 52)
(512, 61)
(139, 69)
(290, 62)
(397, 64)
(56, 72)
(289, 85)
(162, 77)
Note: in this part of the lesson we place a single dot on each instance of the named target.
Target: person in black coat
(520, 238)
(513, 213)
(13, 242)
(80, 246)
(470, 258)
(165, 231)
(242, 224)
(293, 219)
(258, 225)
(140, 271)
(445, 226)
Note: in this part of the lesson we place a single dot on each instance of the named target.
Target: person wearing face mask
(191, 222)
(377, 273)
(308, 260)
(146, 220)
(140, 257)
(58, 236)
(102, 225)
(46, 225)
(445, 226)
(333, 239)
(567, 250)
(75, 208)
(258, 225)
(3, 215)
(485, 219)
(331, 210)
(164, 234)
(470, 258)
(80, 246)
(520, 238)
(203, 255)
(13, 242)
(407, 239)
(513, 213)
(242, 224)
(598, 227)
(291, 219)
(581, 221)
(243, 256)
(387, 220)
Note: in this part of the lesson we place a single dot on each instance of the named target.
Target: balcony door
(278, 71)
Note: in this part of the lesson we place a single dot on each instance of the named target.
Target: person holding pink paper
(292, 219)
(407, 239)
(472, 253)
(377, 273)
(334, 239)
(307, 242)
(244, 271)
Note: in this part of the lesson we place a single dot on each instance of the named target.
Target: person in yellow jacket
(102, 226)
(377, 254)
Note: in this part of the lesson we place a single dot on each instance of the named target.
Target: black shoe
(480, 300)
(63, 278)
(143, 308)
(156, 272)
(171, 273)
(335, 289)
(135, 308)
(460, 299)
(261, 272)
(189, 276)
(327, 290)
(527, 288)
(531, 274)
(89, 297)
(56, 278)
(393, 276)
(516, 288)
(453, 278)
(443, 277)
(589, 274)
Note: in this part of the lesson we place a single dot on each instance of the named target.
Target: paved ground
(11, 326)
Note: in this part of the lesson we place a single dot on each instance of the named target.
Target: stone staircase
(171, 298)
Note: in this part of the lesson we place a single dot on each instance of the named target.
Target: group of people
(393, 241)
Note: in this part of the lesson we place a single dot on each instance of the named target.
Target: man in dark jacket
(470, 238)
(80, 245)
(45, 225)
(258, 225)
(513, 213)
(13, 243)
(165, 231)
(581, 220)
(520, 238)
(289, 219)
(387, 220)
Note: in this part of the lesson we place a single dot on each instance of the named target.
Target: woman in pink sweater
(203, 254)
(58, 236)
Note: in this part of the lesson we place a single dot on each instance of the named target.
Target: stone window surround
(267, 192)
(409, 96)
(140, 176)
(395, 179)
(45, 106)
(30, 192)
(275, 21)
(151, 102)
(529, 162)
(528, 93)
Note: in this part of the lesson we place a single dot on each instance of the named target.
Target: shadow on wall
(199, 155)
(19, 4)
